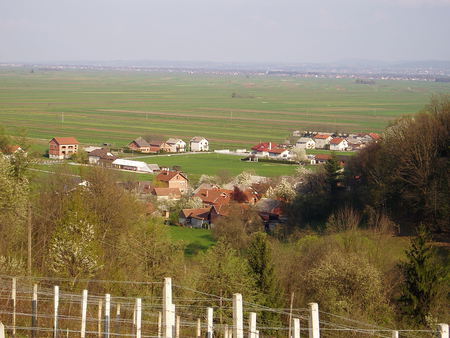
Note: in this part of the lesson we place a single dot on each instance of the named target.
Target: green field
(195, 240)
(213, 164)
(115, 107)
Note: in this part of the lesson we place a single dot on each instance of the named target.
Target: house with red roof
(62, 147)
(338, 144)
(196, 218)
(322, 140)
(139, 144)
(269, 149)
(173, 179)
(214, 196)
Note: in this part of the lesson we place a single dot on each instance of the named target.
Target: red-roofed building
(322, 140)
(214, 196)
(62, 147)
(196, 218)
(338, 144)
(173, 179)
(269, 149)
(374, 136)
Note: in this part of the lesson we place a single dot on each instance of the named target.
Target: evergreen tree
(422, 278)
(332, 169)
(259, 256)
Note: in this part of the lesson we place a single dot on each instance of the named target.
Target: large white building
(132, 165)
(305, 143)
(199, 143)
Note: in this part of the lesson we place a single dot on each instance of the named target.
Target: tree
(283, 191)
(73, 250)
(14, 204)
(299, 154)
(223, 273)
(259, 256)
(332, 169)
(422, 279)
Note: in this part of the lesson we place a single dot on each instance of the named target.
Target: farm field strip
(115, 107)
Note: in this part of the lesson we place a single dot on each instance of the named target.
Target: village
(168, 192)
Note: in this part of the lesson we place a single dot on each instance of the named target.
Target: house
(140, 145)
(101, 157)
(321, 158)
(173, 179)
(305, 143)
(269, 149)
(338, 144)
(132, 165)
(322, 140)
(158, 146)
(262, 149)
(271, 212)
(62, 147)
(176, 145)
(215, 196)
(279, 153)
(88, 149)
(196, 218)
(13, 149)
(166, 193)
(198, 143)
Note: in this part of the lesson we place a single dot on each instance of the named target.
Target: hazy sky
(224, 30)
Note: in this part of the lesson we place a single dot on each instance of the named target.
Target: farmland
(115, 107)
(214, 164)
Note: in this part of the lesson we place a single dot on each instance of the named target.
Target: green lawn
(213, 164)
(196, 240)
(116, 107)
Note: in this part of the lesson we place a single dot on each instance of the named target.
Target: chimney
(270, 145)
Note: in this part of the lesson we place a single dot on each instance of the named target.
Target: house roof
(304, 139)
(322, 136)
(337, 140)
(167, 192)
(264, 146)
(141, 166)
(11, 149)
(200, 213)
(166, 176)
(323, 157)
(197, 139)
(277, 151)
(374, 136)
(103, 153)
(173, 140)
(65, 140)
(153, 166)
(214, 196)
(140, 142)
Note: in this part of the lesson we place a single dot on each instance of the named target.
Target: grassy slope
(186, 105)
(196, 240)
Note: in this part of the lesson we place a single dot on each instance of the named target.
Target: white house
(176, 145)
(199, 143)
(305, 143)
(279, 153)
(322, 140)
(339, 144)
(132, 165)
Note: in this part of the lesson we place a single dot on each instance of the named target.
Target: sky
(287, 31)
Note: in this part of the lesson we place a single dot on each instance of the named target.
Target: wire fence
(27, 309)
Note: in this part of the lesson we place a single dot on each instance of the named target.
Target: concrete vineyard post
(209, 321)
(34, 312)
(138, 317)
(55, 310)
(314, 329)
(296, 328)
(238, 322)
(84, 299)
